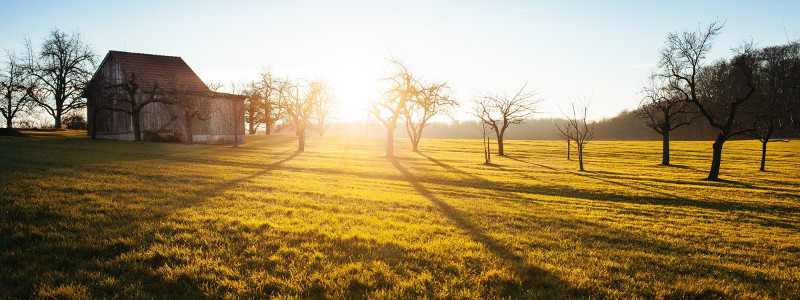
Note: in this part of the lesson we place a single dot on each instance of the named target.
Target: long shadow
(531, 163)
(532, 277)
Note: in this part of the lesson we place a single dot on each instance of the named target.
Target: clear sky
(603, 51)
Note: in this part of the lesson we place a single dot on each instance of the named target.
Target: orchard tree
(62, 69)
(431, 100)
(579, 129)
(298, 107)
(663, 110)
(403, 87)
(499, 111)
(14, 84)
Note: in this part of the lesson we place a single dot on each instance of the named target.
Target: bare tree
(298, 107)
(487, 142)
(779, 86)
(403, 88)
(129, 97)
(62, 68)
(431, 100)
(253, 106)
(324, 105)
(581, 131)
(717, 91)
(663, 110)
(187, 106)
(273, 90)
(565, 131)
(14, 85)
(500, 111)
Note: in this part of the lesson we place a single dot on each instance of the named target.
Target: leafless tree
(778, 89)
(14, 85)
(487, 142)
(581, 130)
(324, 104)
(62, 69)
(565, 131)
(253, 106)
(130, 97)
(298, 107)
(663, 110)
(403, 88)
(716, 91)
(187, 106)
(431, 100)
(273, 90)
(499, 111)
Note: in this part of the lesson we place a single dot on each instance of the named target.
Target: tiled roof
(166, 71)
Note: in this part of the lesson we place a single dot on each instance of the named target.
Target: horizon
(564, 52)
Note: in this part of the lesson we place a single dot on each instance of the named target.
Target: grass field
(97, 219)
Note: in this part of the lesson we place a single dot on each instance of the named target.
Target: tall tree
(324, 105)
(62, 67)
(431, 100)
(403, 88)
(272, 91)
(14, 84)
(663, 110)
(298, 107)
(499, 111)
(716, 91)
(253, 106)
(778, 90)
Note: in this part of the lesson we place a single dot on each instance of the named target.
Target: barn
(135, 96)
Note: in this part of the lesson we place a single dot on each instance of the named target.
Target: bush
(75, 121)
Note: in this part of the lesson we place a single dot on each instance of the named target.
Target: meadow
(86, 218)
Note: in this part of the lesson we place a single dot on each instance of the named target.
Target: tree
(487, 143)
(581, 131)
(129, 97)
(565, 131)
(62, 70)
(779, 86)
(14, 85)
(187, 106)
(431, 100)
(272, 91)
(253, 106)
(324, 104)
(298, 107)
(500, 111)
(402, 89)
(716, 91)
(663, 110)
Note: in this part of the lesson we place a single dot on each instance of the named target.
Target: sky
(600, 52)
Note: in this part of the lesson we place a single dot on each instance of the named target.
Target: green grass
(97, 219)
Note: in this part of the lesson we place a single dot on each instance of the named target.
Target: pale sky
(603, 51)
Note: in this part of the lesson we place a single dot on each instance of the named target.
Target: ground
(96, 219)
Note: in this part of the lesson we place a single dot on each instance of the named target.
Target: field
(97, 219)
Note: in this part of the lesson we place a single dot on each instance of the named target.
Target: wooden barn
(159, 98)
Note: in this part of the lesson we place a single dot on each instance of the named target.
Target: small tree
(62, 68)
(565, 131)
(487, 143)
(500, 111)
(14, 85)
(663, 110)
(431, 100)
(253, 107)
(581, 131)
(272, 90)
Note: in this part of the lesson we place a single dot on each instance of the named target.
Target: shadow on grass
(534, 279)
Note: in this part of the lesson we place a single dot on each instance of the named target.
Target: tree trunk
(569, 149)
(500, 145)
(250, 128)
(390, 142)
(58, 119)
(137, 130)
(580, 157)
(414, 144)
(188, 131)
(9, 123)
(763, 154)
(301, 141)
(665, 148)
(267, 128)
(716, 158)
(321, 129)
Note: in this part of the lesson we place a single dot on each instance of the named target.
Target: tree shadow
(531, 163)
(532, 276)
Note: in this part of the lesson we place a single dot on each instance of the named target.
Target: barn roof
(166, 71)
